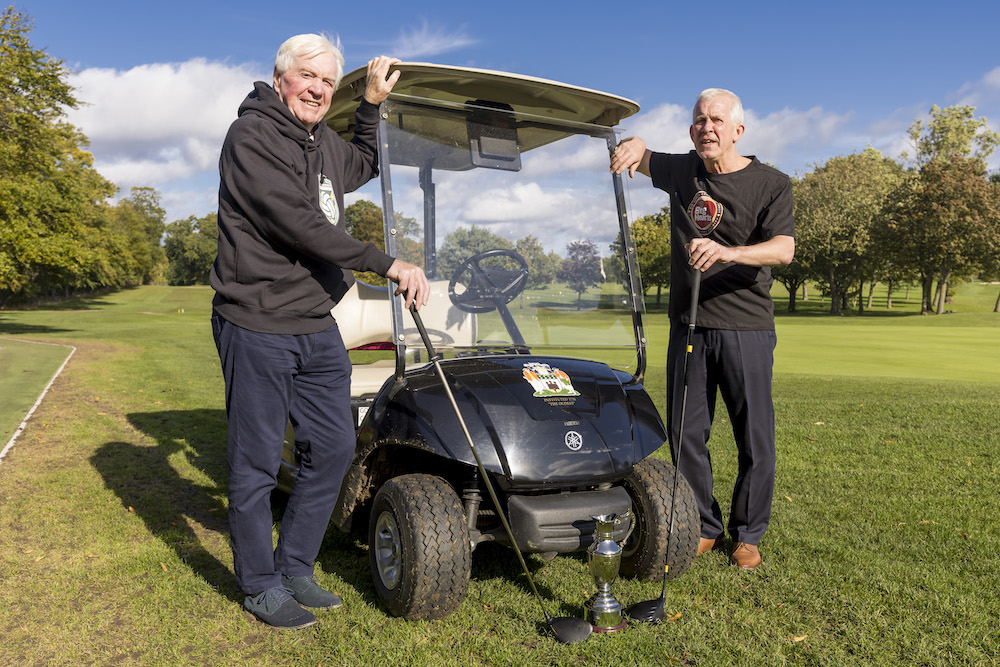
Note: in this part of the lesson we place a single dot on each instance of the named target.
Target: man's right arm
(631, 155)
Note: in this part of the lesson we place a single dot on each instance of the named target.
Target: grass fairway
(882, 548)
(25, 370)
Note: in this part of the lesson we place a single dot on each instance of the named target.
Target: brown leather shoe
(707, 544)
(746, 556)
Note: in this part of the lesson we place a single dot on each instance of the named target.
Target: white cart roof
(460, 85)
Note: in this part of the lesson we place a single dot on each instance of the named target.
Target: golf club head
(649, 611)
(569, 629)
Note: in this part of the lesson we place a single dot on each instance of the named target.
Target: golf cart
(498, 186)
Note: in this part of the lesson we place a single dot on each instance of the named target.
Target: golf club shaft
(435, 359)
(689, 347)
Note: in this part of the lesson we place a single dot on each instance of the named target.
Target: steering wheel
(488, 287)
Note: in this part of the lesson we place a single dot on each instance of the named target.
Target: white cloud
(784, 136)
(425, 41)
(161, 125)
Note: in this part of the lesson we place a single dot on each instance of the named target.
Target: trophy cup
(604, 557)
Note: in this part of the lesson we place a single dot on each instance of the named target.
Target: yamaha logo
(574, 440)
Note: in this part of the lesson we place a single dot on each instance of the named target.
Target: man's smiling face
(307, 87)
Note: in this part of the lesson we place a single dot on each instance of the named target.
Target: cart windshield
(516, 220)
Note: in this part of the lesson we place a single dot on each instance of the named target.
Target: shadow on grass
(189, 516)
(9, 328)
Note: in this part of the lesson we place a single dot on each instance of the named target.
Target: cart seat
(364, 318)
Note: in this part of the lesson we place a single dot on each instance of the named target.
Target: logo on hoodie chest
(327, 202)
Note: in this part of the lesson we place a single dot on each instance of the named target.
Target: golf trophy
(604, 557)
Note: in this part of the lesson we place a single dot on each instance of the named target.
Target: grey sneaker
(308, 593)
(277, 608)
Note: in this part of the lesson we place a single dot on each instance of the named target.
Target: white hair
(308, 45)
(735, 109)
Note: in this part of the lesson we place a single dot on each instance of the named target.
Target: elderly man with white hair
(731, 219)
(284, 260)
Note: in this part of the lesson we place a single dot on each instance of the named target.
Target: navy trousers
(272, 379)
(737, 365)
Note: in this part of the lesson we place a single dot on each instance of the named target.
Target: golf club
(567, 629)
(652, 611)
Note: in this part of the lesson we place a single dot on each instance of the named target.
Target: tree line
(932, 218)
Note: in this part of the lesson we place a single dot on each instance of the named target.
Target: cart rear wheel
(419, 549)
(644, 554)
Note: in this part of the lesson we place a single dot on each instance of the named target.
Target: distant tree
(364, 221)
(836, 207)
(651, 234)
(141, 219)
(952, 131)
(581, 269)
(191, 246)
(462, 244)
(951, 135)
(947, 224)
(543, 268)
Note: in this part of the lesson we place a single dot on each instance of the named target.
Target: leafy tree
(951, 135)
(543, 268)
(55, 234)
(836, 207)
(364, 221)
(141, 220)
(465, 242)
(191, 246)
(581, 269)
(952, 131)
(651, 234)
(948, 224)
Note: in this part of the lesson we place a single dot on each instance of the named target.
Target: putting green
(26, 369)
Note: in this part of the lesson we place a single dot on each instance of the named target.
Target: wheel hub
(387, 550)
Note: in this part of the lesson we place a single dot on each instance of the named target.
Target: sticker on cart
(548, 381)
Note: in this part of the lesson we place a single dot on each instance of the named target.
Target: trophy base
(617, 628)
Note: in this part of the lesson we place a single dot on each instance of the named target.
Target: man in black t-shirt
(731, 219)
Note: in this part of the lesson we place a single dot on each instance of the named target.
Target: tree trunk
(926, 286)
(871, 293)
(835, 306)
(861, 298)
(888, 296)
(996, 308)
(659, 292)
(791, 298)
(942, 291)
(805, 291)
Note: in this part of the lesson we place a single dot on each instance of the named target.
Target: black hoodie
(282, 255)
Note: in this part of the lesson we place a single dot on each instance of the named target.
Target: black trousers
(271, 380)
(737, 365)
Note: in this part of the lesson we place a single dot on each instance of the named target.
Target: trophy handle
(631, 523)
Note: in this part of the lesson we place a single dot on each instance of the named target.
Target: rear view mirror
(493, 137)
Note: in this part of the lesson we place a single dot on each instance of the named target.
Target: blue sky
(162, 81)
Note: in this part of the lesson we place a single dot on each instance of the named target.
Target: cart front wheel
(419, 549)
(645, 552)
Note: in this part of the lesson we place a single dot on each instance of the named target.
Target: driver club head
(649, 611)
(569, 629)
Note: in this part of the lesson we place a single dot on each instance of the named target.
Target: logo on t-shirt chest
(705, 212)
